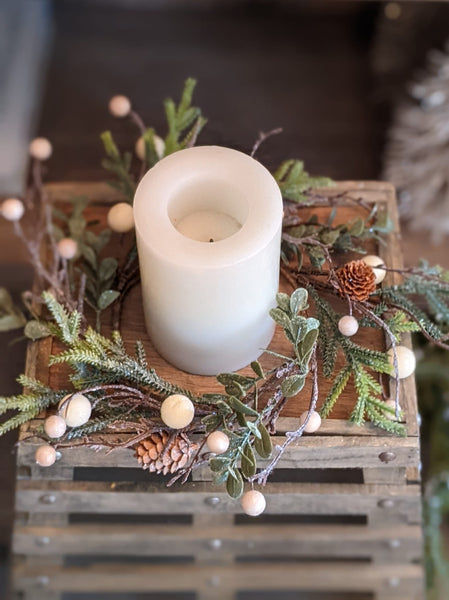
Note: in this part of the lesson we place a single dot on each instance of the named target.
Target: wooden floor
(259, 66)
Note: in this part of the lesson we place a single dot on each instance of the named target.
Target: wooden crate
(343, 510)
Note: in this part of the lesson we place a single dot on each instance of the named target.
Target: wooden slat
(396, 543)
(309, 452)
(158, 578)
(282, 498)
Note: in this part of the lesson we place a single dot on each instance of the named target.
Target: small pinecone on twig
(162, 452)
(357, 280)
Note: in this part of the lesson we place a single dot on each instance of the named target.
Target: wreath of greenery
(126, 393)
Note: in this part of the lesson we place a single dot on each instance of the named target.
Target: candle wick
(211, 240)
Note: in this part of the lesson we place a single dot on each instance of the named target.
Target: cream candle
(206, 303)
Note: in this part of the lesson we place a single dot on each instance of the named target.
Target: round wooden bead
(374, 261)
(12, 209)
(314, 422)
(40, 148)
(217, 442)
(406, 361)
(389, 415)
(55, 426)
(348, 325)
(119, 106)
(120, 217)
(45, 455)
(67, 248)
(177, 411)
(253, 503)
(159, 145)
(76, 411)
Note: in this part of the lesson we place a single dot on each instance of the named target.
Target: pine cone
(357, 280)
(155, 455)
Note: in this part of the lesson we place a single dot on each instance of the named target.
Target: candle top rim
(194, 166)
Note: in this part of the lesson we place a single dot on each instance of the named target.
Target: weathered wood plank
(311, 576)
(310, 452)
(403, 502)
(398, 543)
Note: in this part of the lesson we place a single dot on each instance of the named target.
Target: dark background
(329, 73)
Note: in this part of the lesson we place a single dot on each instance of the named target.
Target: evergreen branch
(339, 384)
(118, 165)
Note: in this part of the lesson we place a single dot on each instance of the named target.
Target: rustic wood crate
(343, 510)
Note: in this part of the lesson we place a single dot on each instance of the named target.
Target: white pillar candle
(206, 303)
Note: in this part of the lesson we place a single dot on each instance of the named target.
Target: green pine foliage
(315, 239)
(295, 182)
(118, 165)
(431, 285)
(361, 364)
(184, 121)
(26, 406)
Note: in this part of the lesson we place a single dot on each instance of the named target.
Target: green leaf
(253, 428)
(298, 300)
(108, 267)
(357, 228)
(283, 301)
(90, 256)
(280, 317)
(292, 385)
(10, 322)
(107, 298)
(257, 368)
(234, 483)
(248, 462)
(36, 330)
(218, 463)
(263, 445)
(238, 406)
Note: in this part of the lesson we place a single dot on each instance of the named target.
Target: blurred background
(361, 90)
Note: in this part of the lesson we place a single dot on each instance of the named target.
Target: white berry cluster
(74, 411)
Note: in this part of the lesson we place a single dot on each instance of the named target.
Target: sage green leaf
(329, 237)
(77, 224)
(234, 483)
(108, 268)
(283, 301)
(253, 428)
(57, 232)
(89, 256)
(10, 322)
(235, 389)
(257, 368)
(36, 330)
(230, 379)
(218, 463)
(263, 445)
(248, 462)
(298, 300)
(357, 228)
(280, 317)
(241, 419)
(308, 342)
(211, 422)
(223, 407)
(316, 255)
(238, 406)
(107, 298)
(6, 301)
(297, 231)
(292, 385)
(220, 477)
